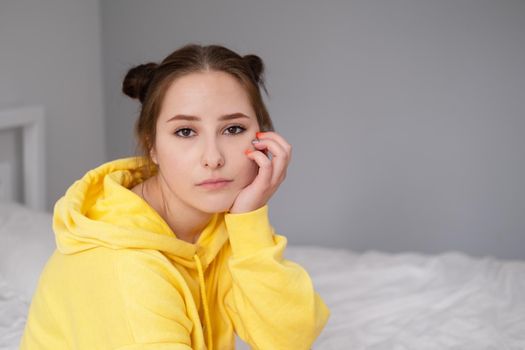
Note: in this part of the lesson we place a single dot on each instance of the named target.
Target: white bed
(26, 242)
(378, 301)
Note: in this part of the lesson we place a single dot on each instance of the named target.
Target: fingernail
(259, 134)
(248, 151)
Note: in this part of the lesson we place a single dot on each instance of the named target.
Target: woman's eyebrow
(195, 118)
(183, 117)
(233, 116)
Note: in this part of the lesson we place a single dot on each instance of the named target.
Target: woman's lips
(214, 184)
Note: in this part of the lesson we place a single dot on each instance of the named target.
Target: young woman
(173, 249)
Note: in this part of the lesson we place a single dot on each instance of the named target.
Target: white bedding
(26, 242)
(378, 301)
(13, 310)
(413, 301)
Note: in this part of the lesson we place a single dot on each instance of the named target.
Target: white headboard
(31, 121)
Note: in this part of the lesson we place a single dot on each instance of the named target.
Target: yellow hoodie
(121, 279)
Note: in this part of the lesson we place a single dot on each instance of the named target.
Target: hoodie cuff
(249, 232)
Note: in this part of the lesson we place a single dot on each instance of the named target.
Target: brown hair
(149, 82)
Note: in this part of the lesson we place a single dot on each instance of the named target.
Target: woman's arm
(272, 303)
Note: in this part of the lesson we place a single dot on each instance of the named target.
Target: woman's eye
(236, 129)
(185, 132)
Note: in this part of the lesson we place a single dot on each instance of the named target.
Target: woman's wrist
(249, 232)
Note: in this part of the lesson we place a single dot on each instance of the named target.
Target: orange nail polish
(248, 151)
(259, 134)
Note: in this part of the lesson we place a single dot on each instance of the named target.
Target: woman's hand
(272, 172)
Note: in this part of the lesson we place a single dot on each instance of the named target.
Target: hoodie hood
(101, 210)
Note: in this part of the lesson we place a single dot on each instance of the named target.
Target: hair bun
(137, 79)
(256, 65)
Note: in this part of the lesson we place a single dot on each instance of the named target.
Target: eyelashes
(184, 132)
(230, 130)
(238, 129)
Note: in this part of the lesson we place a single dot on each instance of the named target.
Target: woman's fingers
(276, 137)
(271, 172)
(280, 150)
(279, 158)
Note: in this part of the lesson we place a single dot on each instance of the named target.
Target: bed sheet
(412, 301)
(26, 242)
(13, 311)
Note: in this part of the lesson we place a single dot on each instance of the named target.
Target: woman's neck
(187, 223)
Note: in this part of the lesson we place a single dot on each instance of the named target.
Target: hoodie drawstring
(204, 301)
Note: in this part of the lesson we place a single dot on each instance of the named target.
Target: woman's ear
(153, 156)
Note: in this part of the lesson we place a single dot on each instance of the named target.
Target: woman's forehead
(206, 94)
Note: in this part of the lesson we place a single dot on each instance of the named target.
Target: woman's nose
(212, 156)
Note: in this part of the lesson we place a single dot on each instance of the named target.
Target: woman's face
(205, 125)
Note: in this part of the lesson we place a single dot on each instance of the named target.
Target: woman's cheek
(250, 172)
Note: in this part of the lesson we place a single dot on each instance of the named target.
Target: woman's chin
(217, 205)
(216, 209)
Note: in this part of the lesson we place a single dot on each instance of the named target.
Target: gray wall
(50, 55)
(406, 117)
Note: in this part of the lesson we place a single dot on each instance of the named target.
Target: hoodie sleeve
(273, 304)
(155, 310)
